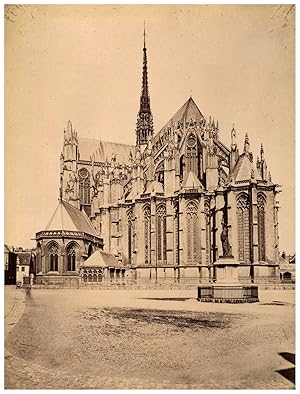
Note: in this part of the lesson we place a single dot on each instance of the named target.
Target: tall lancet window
(176, 233)
(261, 227)
(193, 238)
(192, 154)
(147, 235)
(208, 235)
(243, 216)
(84, 186)
(53, 257)
(71, 257)
(161, 234)
(130, 229)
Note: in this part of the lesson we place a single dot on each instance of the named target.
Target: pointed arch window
(243, 216)
(176, 232)
(53, 257)
(130, 228)
(193, 238)
(84, 186)
(147, 235)
(161, 234)
(208, 231)
(71, 257)
(191, 153)
(261, 227)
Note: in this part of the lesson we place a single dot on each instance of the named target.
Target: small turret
(233, 137)
(262, 156)
(262, 164)
(247, 148)
(246, 144)
(234, 153)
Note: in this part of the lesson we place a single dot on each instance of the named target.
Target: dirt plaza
(147, 339)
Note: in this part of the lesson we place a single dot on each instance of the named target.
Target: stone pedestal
(227, 287)
(226, 270)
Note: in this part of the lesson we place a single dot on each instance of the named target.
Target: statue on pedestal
(225, 241)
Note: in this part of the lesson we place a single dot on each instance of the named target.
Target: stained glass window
(161, 234)
(261, 227)
(243, 216)
(176, 233)
(84, 186)
(147, 235)
(71, 255)
(53, 256)
(207, 220)
(130, 236)
(193, 238)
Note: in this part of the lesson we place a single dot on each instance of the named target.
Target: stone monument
(226, 287)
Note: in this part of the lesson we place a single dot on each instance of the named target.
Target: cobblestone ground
(56, 343)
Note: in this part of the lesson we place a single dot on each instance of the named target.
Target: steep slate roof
(68, 218)
(243, 168)
(101, 259)
(102, 150)
(188, 111)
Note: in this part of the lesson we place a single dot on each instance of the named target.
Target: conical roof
(68, 218)
(189, 111)
(244, 170)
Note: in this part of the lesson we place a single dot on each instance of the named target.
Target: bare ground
(165, 338)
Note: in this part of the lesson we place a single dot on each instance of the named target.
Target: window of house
(23, 269)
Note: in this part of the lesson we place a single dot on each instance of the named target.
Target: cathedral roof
(189, 111)
(68, 218)
(244, 170)
(101, 259)
(102, 150)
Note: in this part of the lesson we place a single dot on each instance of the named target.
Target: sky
(84, 63)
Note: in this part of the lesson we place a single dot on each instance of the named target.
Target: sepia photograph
(149, 196)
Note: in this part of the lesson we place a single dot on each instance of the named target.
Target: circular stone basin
(227, 293)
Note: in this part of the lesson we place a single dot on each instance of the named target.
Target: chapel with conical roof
(171, 205)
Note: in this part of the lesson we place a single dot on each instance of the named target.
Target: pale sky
(84, 63)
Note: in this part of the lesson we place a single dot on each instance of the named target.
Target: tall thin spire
(145, 99)
(144, 127)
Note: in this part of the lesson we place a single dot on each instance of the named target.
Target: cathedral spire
(145, 99)
(144, 127)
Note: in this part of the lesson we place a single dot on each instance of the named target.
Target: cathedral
(163, 210)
